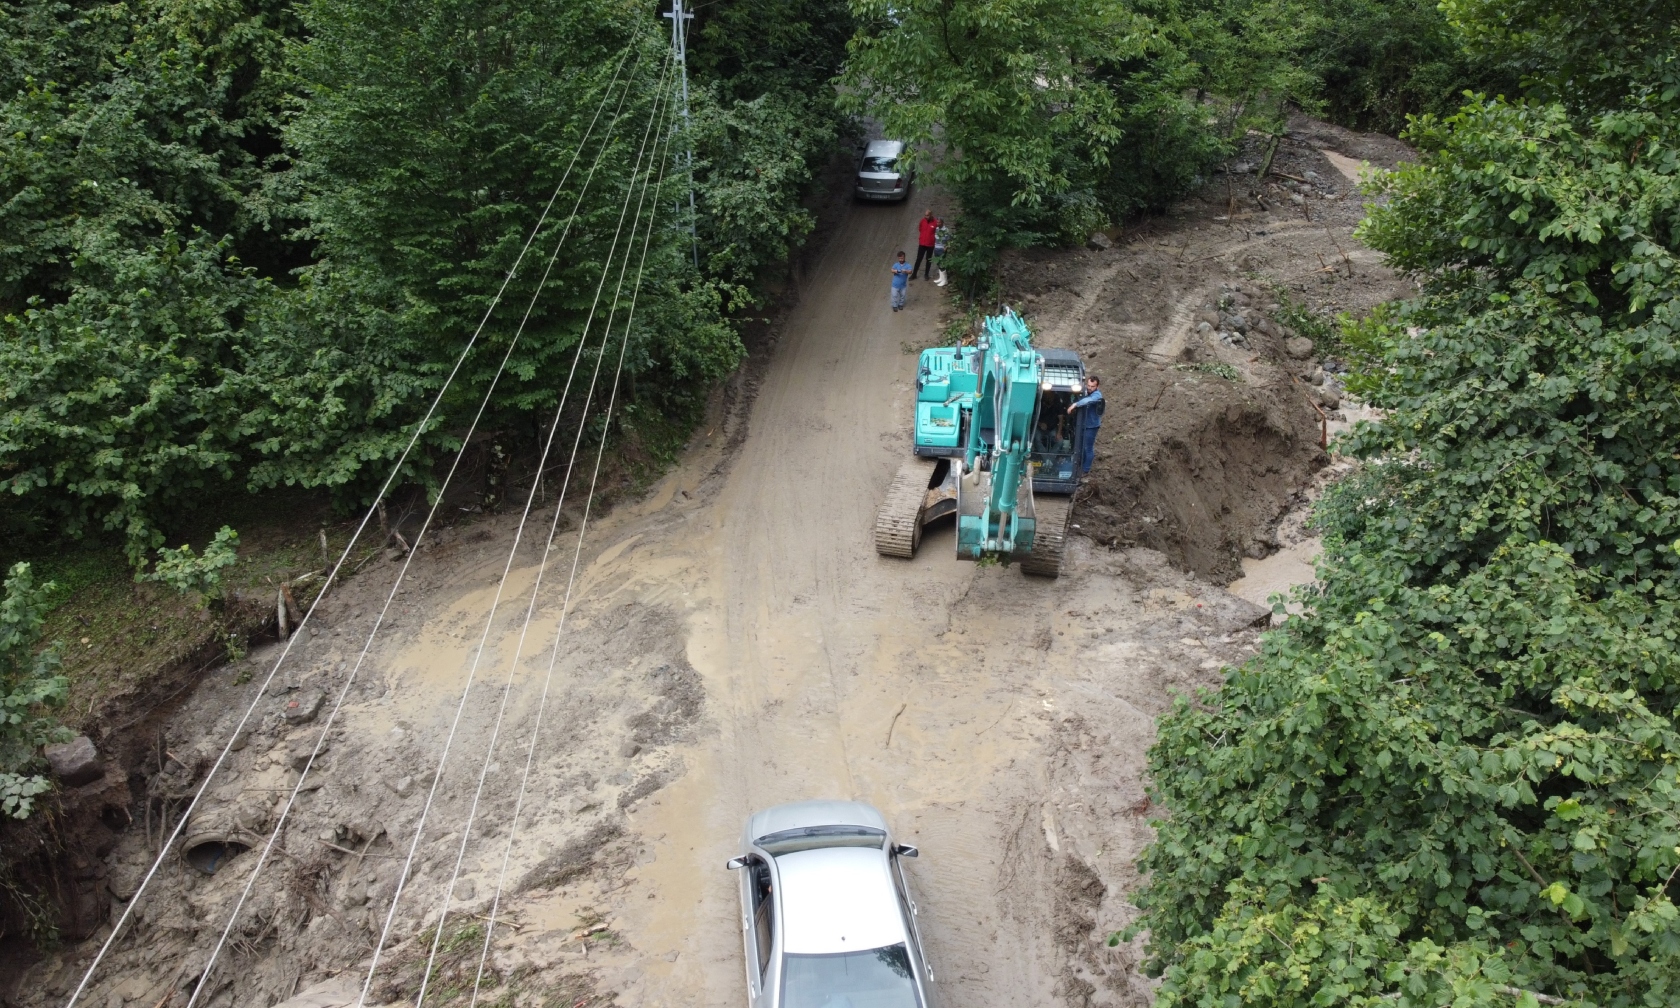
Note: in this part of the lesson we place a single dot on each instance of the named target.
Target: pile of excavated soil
(1214, 405)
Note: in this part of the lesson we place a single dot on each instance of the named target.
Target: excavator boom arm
(995, 516)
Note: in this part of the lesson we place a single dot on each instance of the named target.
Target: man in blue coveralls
(1090, 418)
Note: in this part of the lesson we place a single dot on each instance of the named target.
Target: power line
(437, 777)
(420, 428)
(507, 688)
(560, 630)
(431, 513)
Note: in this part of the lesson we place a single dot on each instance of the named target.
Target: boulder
(1098, 242)
(75, 762)
(302, 707)
(1298, 347)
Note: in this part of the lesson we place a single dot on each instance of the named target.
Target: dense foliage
(131, 147)
(1054, 117)
(767, 125)
(1379, 61)
(1453, 779)
(245, 240)
(30, 687)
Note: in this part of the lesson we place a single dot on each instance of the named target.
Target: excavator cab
(1055, 445)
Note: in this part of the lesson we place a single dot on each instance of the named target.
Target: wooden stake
(291, 604)
(1266, 163)
(280, 614)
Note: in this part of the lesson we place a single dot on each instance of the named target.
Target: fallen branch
(1323, 420)
(345, 850)
(894, 724)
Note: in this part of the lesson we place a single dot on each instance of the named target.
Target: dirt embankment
(1214, 416)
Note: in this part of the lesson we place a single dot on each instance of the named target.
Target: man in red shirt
(924, 243)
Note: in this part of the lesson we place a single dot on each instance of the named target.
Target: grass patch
(118, 634)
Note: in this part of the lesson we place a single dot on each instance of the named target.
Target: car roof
(838, 899)
(816, 812)
(884, 148)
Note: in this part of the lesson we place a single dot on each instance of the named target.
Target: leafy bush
(30, 687)
(186, 571)
(1453, 778)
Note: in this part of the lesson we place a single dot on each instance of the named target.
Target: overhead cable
(437, 777)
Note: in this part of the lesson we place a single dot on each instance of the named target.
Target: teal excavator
(994, 446)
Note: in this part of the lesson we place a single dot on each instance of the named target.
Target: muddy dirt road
(935, 690)
(735, 642)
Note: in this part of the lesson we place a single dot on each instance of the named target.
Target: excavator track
(898, 525)
(1050, 537)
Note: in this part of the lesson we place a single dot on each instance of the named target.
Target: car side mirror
(735, 862)
(905, 850)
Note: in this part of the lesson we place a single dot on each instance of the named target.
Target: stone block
(75, 762)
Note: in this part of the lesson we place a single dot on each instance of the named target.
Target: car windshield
(880, 164)
(811, 837)
(877, 978)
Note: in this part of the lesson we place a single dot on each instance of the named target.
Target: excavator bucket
(984, 533)
(1041, 525)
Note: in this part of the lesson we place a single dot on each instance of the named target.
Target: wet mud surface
(734, 642)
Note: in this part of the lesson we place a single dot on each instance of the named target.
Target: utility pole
(679, 42)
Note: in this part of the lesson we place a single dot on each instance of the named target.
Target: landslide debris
(1217, 406)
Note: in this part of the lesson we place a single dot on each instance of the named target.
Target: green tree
(1380, 61)
(1581, 53)
(1246, 57)
(132, 138)
(766, 125)
(1453, 779)
(196, 300)
(1028, 101)
(30, 687)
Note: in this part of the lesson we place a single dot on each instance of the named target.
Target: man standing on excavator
(1090, 418)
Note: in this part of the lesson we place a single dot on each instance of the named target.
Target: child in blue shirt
(901, 282)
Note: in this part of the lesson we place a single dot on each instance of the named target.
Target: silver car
(826, 914)
(880, 176)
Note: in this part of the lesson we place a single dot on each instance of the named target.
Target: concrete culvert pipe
(211, 846)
